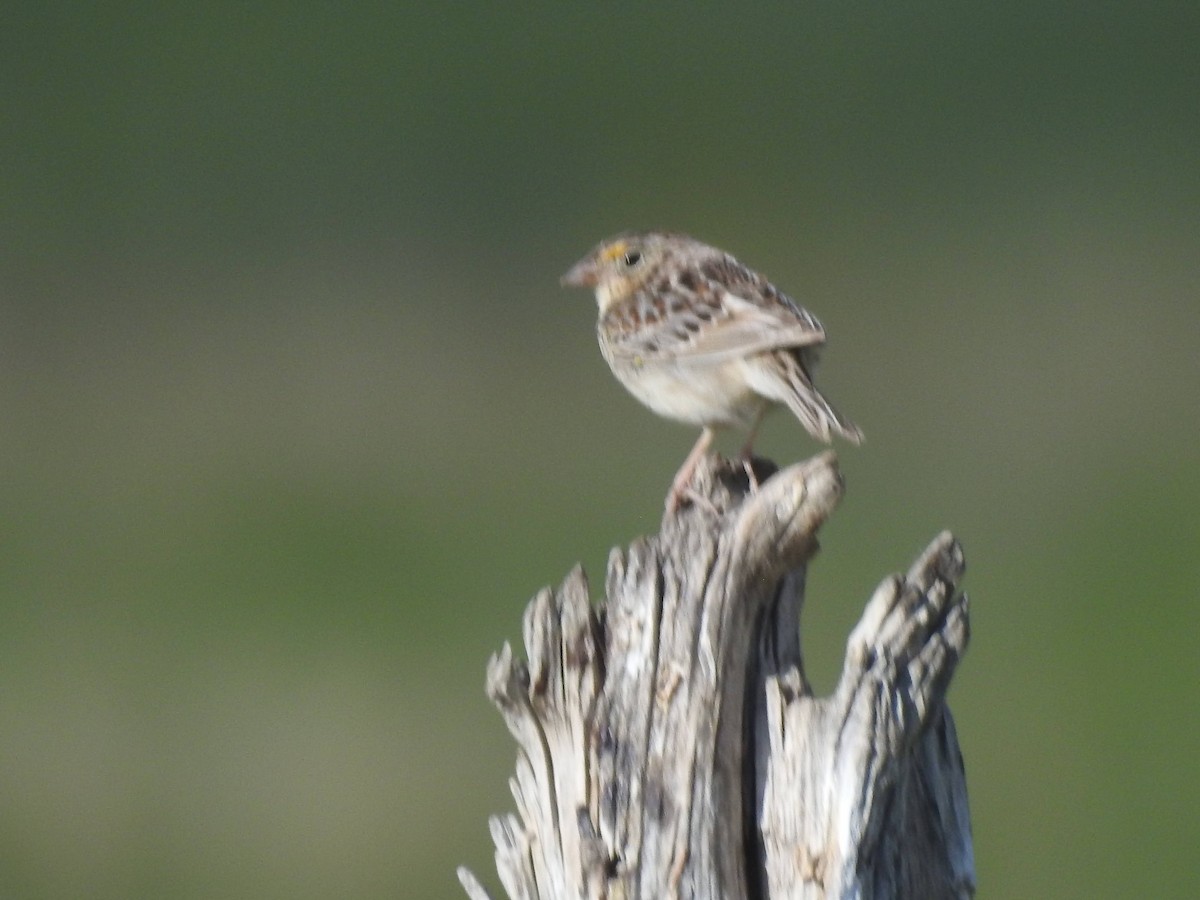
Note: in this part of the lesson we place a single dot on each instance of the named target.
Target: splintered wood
(669, 744)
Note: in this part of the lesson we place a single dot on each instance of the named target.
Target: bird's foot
(687, 494)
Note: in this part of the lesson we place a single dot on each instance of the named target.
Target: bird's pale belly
(702, 395)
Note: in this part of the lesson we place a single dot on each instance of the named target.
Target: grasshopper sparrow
(701, 339)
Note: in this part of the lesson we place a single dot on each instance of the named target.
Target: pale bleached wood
(670, 746)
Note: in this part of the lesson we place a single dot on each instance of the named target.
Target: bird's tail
(786, 380)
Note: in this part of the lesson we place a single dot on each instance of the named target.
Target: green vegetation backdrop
(294, 417)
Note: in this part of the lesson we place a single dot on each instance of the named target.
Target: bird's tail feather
(788, 383)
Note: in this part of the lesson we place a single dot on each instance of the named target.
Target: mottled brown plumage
(702, 339)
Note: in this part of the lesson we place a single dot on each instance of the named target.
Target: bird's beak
(583, 274)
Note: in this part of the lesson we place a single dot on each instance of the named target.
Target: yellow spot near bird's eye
(611, 252)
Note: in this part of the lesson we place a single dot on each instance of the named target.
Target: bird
(702, 339)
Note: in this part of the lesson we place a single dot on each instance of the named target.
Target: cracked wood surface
(669, 744)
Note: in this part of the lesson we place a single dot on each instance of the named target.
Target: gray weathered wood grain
(669, 744)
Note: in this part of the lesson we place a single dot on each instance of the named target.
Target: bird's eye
(632, 258)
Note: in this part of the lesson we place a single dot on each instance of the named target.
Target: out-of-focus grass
(296, 418)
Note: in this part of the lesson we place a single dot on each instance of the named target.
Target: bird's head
(619, 266)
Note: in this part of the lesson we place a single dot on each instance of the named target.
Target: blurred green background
(294, 417)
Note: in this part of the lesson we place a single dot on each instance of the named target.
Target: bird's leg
(681, 486)
(746, 455)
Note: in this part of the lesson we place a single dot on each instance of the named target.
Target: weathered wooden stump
(671, 746)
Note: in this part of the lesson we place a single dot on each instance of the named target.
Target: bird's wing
(723, 311)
